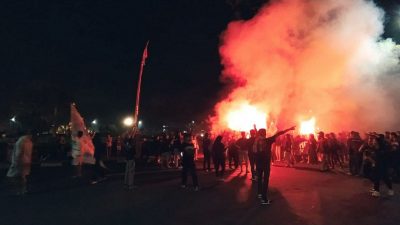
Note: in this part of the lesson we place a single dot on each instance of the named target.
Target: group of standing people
(377, 157)
(256, 150)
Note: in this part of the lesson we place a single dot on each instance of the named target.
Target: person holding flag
(82, 145)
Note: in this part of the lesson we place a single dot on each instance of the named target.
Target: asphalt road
(298, 197)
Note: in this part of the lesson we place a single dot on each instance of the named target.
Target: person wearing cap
(262, 147)
(188, 165)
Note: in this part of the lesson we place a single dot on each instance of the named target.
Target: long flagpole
(136, 116)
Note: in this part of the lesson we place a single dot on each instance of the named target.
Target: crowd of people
(376, 156)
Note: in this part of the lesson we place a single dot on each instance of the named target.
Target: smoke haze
(298, 59)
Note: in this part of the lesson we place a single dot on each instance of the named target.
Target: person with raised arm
(262, 148)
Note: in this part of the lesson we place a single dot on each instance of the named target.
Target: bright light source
(192, 121)
(307, 127)
(245, 117)
(128, 121)
(13, 119)
(94, 122)
(140, 122)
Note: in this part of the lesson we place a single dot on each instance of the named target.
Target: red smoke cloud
(298, 59)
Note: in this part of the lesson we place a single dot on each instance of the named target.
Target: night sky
(55, 52)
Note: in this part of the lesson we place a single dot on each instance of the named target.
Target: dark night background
(88, 52)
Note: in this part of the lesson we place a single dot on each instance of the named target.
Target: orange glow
(314, 55)
(244, 118)
(307, 127)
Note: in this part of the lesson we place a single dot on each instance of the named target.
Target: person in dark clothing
(188, 165)
(233, 152)
(312, 151)
(380, 163)
(250, 152)
(288, 147)
(353, 144)
(207, 152)
(334, 147)
(243, 155)
(263, 160)
(176, 146)
(130, 153)
(323, 149)
(367, 148)
(100, 150)
(395, 155)
(218, 150)
(165, 151)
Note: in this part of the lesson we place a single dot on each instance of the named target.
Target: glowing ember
(308, 127)
(244, 118)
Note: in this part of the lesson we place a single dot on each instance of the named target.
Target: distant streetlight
(94, 122)
(128, 121)
(13, 119)
(140, 124)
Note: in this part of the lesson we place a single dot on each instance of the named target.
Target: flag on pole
(85, 152)
(136, 115)
(145, 54)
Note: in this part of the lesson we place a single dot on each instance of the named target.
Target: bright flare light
(128, 121)
(307, 127)
(244, 118)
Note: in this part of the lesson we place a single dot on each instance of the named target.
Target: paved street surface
(298, 196)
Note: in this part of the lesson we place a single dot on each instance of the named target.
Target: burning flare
(307, 127)
(245, 117)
